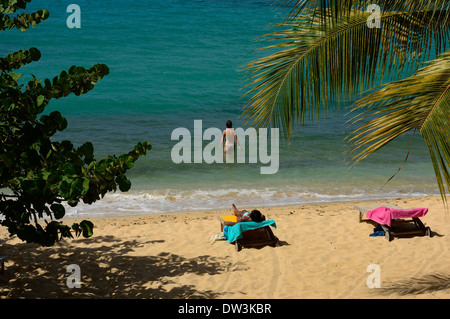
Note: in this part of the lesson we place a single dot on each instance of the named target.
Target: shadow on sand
(418, 285)
(106, 271)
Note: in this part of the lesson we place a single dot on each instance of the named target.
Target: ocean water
(176, 61)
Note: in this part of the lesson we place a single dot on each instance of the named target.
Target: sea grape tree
(37, 174)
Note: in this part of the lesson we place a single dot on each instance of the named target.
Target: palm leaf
(317, 63)
(325, 51)
(420, 102)
(340, 8)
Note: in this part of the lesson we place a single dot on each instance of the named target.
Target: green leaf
(64, 189)
(100, 168)
(85, 186)
(16, 76)
(35, 54)
(53, 178)
(87, 228)
(77, 229)
(124, 183)
(72, 202)
(127, 161)
(58, 210)
(76, 188)
(40, 100)
(7, 160)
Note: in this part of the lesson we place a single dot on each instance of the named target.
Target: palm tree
(329, 49)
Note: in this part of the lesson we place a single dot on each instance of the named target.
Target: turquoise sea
(175, 61)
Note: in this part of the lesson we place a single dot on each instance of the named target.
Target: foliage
(326, 53)
(420, 102)
(37, 174)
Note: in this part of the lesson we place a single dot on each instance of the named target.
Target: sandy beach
(324, 253)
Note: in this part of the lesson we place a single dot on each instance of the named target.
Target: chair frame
(2, 262)
(395, 229)
(255, 238)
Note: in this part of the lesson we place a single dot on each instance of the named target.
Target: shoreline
(98, 206)
(324, 253)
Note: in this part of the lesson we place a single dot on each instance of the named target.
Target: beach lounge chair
(249, 234)
(396, 221)
(2, 262)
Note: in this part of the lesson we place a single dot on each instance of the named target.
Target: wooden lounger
(364, 209)
(2, 262)
(255, 238)
(399, 227)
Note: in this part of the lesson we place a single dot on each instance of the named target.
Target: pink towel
(384, 215)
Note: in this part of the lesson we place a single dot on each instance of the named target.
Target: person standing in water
(230, 137)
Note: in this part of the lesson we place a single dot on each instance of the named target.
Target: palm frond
(317, 63)
(420, 102)
(341, 8)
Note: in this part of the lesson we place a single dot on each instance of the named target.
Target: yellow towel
(229, 218)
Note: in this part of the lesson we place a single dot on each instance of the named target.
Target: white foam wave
(169, 201)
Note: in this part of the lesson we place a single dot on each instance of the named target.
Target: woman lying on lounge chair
(245, 216)
(251, 229)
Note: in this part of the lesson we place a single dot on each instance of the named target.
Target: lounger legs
(2, 262)
(389, 232)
